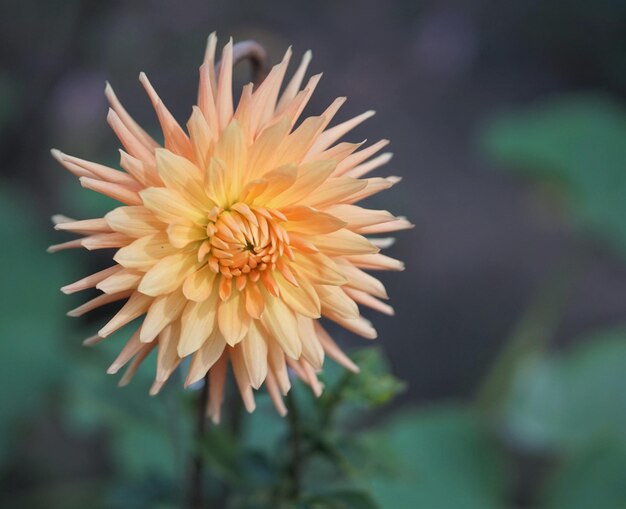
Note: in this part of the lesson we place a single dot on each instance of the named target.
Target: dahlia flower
(235, 236)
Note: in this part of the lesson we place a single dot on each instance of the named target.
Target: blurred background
(508, 126)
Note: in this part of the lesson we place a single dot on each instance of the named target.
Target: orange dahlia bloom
(236, 236)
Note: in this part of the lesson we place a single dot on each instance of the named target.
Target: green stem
(197, 467)
(294, 469)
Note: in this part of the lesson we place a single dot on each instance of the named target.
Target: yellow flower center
(244, 241)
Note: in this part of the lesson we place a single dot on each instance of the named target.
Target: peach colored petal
(91, 280)
(164, 310)
(204, 359)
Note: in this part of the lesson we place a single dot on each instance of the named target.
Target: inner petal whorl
(245, 240)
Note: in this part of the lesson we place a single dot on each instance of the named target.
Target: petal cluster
(237, 234)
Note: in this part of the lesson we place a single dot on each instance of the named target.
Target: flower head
(237, 234)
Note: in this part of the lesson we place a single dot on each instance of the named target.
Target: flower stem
(294, 468)
(197, 467)
(256, 54)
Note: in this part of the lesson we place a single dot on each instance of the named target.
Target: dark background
(438, 73)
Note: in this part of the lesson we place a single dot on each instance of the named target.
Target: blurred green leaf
(576, 143)
(374, 385)
(437, 458)
(32, 323)
(148, 437)
(570, 401)
(341, 499)
(594, 477)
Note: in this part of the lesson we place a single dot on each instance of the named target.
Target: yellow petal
(362, 281)
(217, 378)
(373, 186)
(330, 136)
(175, 138)
(216, 185)
(334, 190)
(320, 269)
(134, 221)
(262, 156)
(278, 181)
(199, 285)
(357, 217)
(181, 233)
(312, 349)
(367, 300)
(309, 177)
(332, 350)
(231, 151)
(126, 279)
(297, 144)
(145, 252)
(205, 358)
(266, 95)
(306, 220)
(170, 205)
(242, 379)
(232, 319)
(254, 350)
(254, 300)
(167, 356)
(278, 366)
(91, 280)
(163, 311)
(135, 306)
(131, 348)
(197, 324)
(376, 262)
(294, 84)
(119, 192)
(343, 242)
(302, 299)
(224, 96)
(168, 274)
(201, 137)
(281, 323)
(334, 299)
(181, 175)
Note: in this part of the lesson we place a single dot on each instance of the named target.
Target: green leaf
(576, 144)
(594, 477)
(437, 458)
(570, 401)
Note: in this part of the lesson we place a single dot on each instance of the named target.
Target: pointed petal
(254, 350)
(164, 310)
(197, 323)
(135, 306)
(204, 359)
(281, 323)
